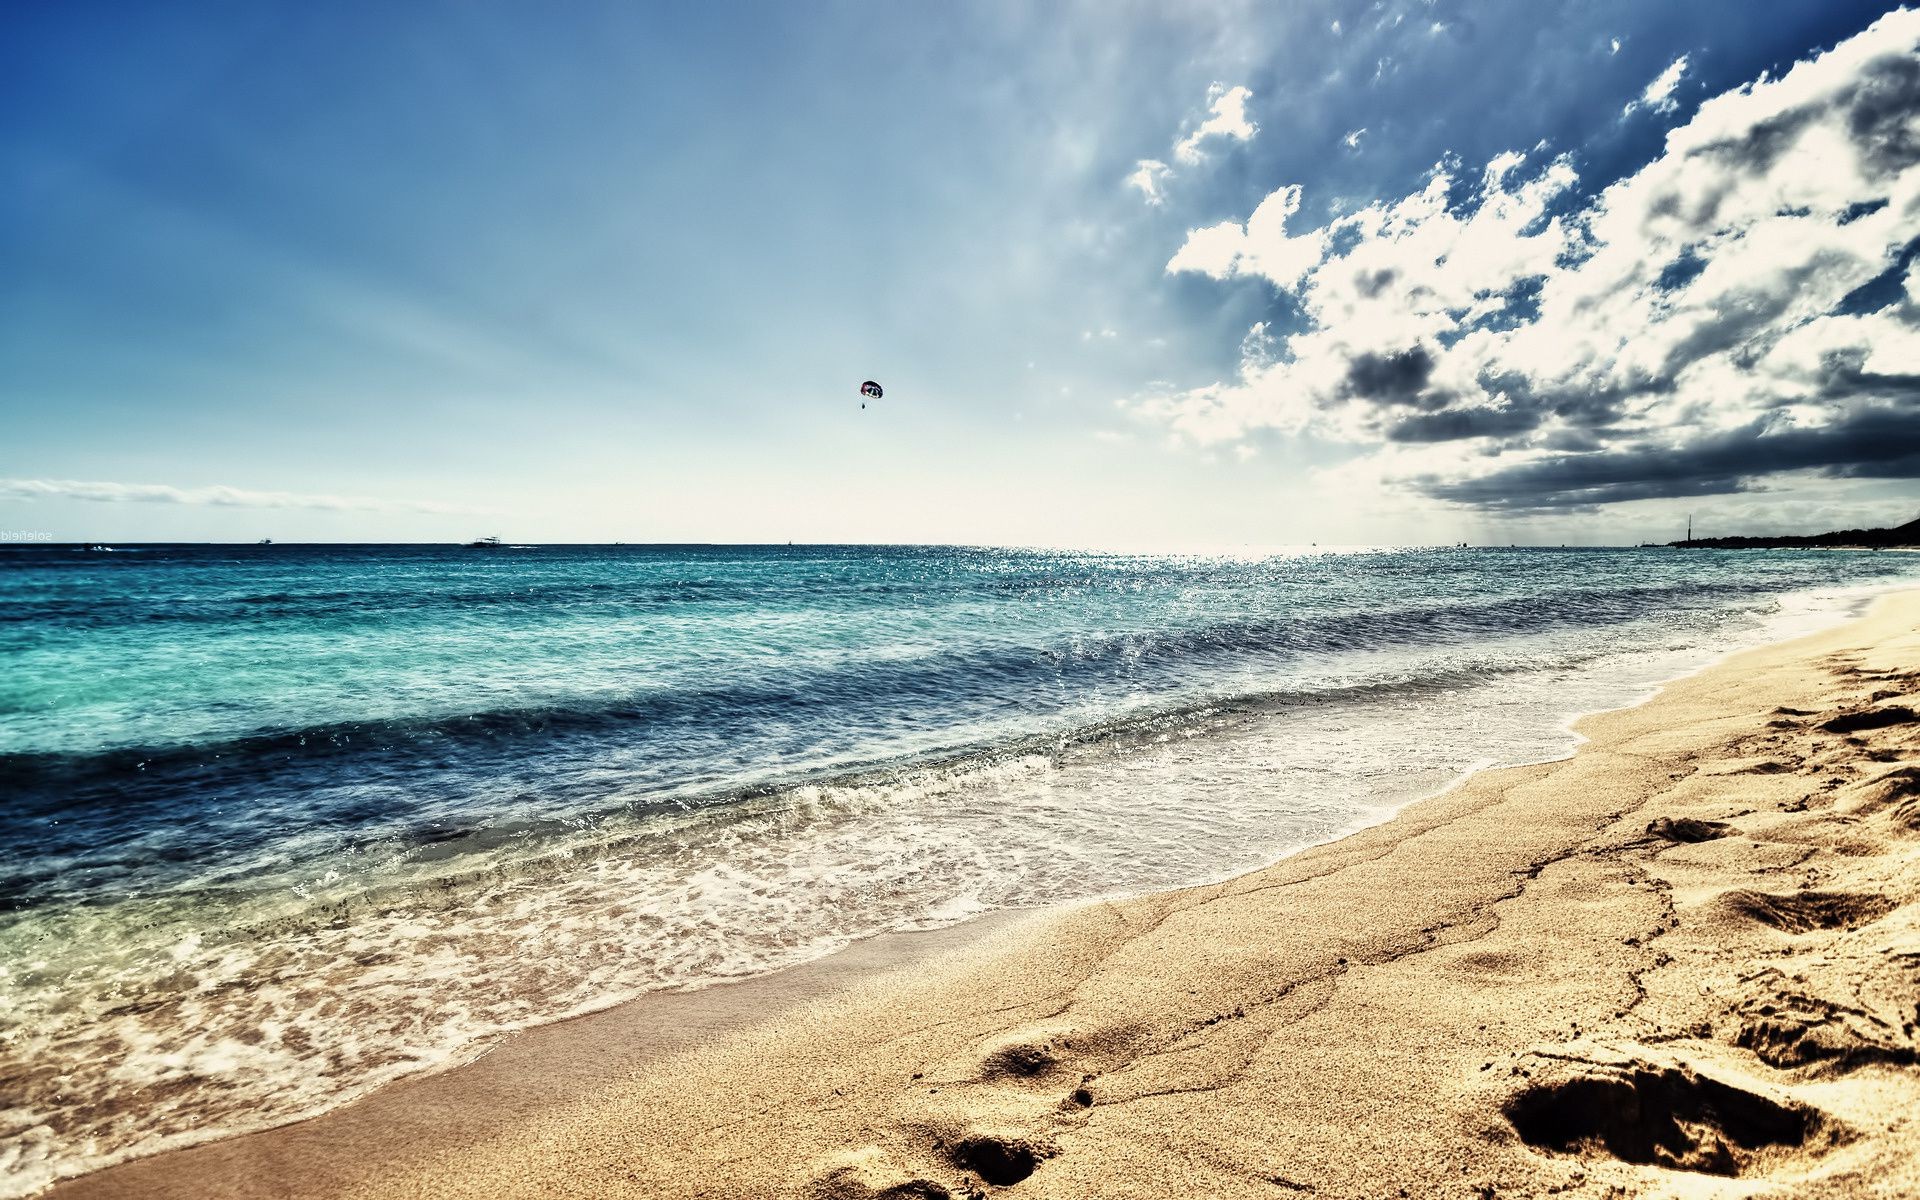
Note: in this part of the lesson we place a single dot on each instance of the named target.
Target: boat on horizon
(485, 543)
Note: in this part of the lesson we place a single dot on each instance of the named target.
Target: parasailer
(871, 389)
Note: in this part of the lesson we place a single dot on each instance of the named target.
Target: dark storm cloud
(1397, 378)
(1879, 444)
(1844, 375)
(1880, 116)
(1455, 424)
(1586, 405)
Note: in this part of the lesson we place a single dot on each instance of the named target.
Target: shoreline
(507, 1081)
(371, 1141)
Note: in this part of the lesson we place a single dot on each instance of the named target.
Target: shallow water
(297, 820)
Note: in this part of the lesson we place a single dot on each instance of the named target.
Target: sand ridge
(1685, 961)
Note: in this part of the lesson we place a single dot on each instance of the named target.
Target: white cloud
(1615, 45)
(1150, 176)
(1353, 139)
(1659, 93)
(1227, 118)
(1259, 346)
(217, 495)
(1262, 246)
(1681, 332)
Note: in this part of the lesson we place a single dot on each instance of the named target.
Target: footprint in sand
(869, 1173)
(1804, 912)
(1896, 793)
(1870, 718)
(1044, 1071)
(842, 1186)
(999, 1158)
(1668, 1116)
(1788, 1028)
(1687, 829)
(1021, 1060)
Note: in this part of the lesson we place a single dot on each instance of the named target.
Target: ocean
(287, 822)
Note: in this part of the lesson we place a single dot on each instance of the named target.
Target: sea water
(286, 822)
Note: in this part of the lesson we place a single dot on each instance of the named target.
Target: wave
(95, 798)
(942, 675)
(915, 692)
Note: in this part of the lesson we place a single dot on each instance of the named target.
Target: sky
(1189, 275)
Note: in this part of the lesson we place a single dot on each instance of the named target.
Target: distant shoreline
(1900, 537)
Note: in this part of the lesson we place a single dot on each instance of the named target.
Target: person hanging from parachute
(872, 389)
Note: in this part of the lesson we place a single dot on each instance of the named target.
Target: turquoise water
(296, 820)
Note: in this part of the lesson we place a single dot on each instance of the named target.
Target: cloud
(1659, 93)
(1227, 118)
(1745, 306)
(1615, 46)
(1150, 176)
(1261, 246)
(1353, 139)
(217, 496)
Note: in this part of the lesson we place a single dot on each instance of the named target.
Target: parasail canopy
(870, 388)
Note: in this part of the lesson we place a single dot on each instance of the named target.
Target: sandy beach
(1685, 961)
(942, 602)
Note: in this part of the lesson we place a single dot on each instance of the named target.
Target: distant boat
(99, 548)
(264, 542)
(485, 543)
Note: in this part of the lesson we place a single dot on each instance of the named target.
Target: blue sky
(427, 271)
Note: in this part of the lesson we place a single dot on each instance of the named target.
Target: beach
(1084, 601)
(1681, 962)
(304, 822)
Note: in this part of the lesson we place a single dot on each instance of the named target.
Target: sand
(1684, 962)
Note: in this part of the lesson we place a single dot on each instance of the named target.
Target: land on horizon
(1898, 537)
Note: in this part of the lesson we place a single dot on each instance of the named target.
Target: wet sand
(1685, 962)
